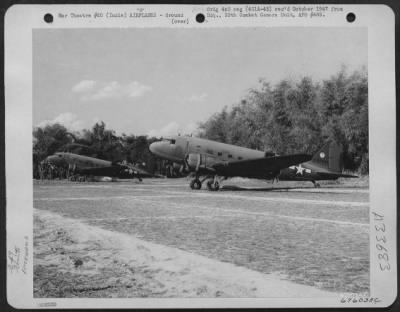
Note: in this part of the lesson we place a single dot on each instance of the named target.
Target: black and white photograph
(204, 162)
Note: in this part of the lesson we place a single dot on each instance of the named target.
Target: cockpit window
(170, 141)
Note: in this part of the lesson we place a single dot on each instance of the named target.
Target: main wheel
(213, 186)
(195, 184)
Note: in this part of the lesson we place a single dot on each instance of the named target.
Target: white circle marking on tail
(322, 155)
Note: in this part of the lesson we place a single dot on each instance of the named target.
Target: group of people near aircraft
(213, 162)
(48, 171)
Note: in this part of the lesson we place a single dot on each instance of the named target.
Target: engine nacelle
(176, 166)
(194, 161)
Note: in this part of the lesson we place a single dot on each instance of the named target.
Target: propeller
(185, 166)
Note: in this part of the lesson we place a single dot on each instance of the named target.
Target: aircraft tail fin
(329, 157)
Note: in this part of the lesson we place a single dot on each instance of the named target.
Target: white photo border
(20, 20)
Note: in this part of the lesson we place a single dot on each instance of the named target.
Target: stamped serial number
(353, 299)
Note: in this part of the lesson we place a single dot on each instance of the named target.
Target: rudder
(329, 157)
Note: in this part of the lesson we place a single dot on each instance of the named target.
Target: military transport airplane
(86, 166)
(215, 162)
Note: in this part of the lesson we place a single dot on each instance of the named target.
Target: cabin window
(240, 158)
(173, 141)
(209, 151)
(230, 156)
(219, 154)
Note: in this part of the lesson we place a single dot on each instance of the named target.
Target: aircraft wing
(260, 167)
(117, 170)
(111, 171)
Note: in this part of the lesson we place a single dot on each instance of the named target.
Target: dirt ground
(161, 239)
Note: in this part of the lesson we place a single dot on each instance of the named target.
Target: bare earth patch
(73, 259)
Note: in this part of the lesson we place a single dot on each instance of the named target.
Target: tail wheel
(316, 184)
(195, 184)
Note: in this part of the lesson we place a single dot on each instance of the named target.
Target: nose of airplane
(155, 148)
(55, 160)
(51, 159)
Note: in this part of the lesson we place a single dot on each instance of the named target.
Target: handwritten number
(384, 257)
(382, 239)
(385, 268)
(378, 217)
(380, 247)
(383, 228)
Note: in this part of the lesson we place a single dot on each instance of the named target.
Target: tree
(215, 128)
(49, 139)
(301, 116)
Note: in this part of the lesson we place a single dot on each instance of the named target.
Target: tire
(195, 184)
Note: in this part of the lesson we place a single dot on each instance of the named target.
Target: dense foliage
(300, 116)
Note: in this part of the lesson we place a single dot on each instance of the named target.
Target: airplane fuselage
(90, 166)
(177, 148)
(79, 161)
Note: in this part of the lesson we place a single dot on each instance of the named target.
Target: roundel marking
(322, 155)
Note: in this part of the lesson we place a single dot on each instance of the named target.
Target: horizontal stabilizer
(347, 176)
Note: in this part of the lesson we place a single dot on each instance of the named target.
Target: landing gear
(213, 183)
(316, 184)
(77, 178)
(195, 184)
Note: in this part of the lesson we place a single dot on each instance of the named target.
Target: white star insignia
(299, 169)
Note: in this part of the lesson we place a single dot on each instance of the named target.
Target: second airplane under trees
(82, 167)
(215, 162)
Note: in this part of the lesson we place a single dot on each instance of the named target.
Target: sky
(162, 82)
